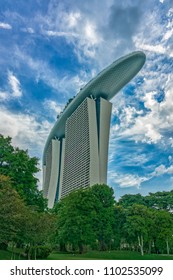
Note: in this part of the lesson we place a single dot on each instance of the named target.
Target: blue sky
(50, 49)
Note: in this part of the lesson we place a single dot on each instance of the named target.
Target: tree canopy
(85, 217)
(21, 169)
(12, 209)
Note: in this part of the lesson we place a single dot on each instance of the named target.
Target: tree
(21, 169)
(85, 217)
(163, 223)
(74, 220)
(20, 224)
(12, 209)
(103, 220)
(37, 230)
(138, 225)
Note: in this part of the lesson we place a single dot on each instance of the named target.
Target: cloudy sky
(51, 48)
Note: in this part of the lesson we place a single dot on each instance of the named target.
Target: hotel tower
(76, 152)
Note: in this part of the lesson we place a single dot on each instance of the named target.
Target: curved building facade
(76, 151)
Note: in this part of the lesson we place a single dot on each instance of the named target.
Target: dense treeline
(87, 219)
(92, 219)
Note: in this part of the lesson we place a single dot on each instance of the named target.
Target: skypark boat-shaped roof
(106, 84)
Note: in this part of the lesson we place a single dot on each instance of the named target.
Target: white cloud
(145, 130)
(85, 34)
(152, 48)
(14, 90)
(73, 18)
(90, 33)
(4, 95)
(78, 27)
(26, 131)
(53, 107)
(5, 25)
(28, 30)
(168, 34)
(136, 125)
(60, 34)
(15, 85)
(162, 169)
(126, 180)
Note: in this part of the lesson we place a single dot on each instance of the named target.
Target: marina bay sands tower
(76, 152)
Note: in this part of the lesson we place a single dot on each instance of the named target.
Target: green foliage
(138, 220)
(19, 224)
(21, 169)
(163, 221)
(163, 227)
(131, 199)
(12, 209)
(138, 225)
(103, 203)
(154, 225)
(85, 218)
(36, 230)
(90, 217)
(118, 226)
(160, 200)
(74, 220)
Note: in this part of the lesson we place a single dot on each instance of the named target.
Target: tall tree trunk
(167, 246)
(29, 252)
(35, 252)
(13, 252)
(149, 247)
(141, 244)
